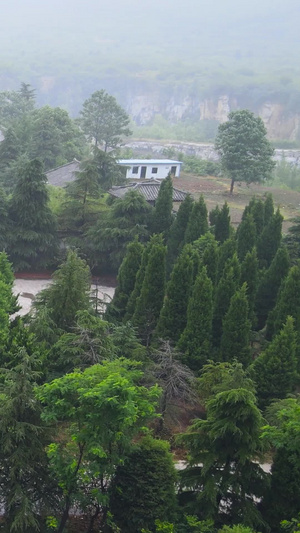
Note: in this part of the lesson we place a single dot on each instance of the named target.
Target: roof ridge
(64, 165)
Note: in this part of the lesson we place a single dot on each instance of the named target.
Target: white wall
(162, 171)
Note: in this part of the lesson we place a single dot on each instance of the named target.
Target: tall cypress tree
(150, 301)
(235, 341)
(246, 236)
(257, 210)
(269, 240)
(226, 288)
(131, 304)
(249, 275)
(210, 260)
(226, 251)
(177, 231)
(33, 241)
(173, 316)
(198, 223)
(126, 281)
(269, 285)
(222, 224)
(275, 369)
(269, 208)
(288, 303)
(195, 341)
(162, 217)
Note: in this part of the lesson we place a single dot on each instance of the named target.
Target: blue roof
(130, 162)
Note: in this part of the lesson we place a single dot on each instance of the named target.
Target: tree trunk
(65, 516)
(231, 186)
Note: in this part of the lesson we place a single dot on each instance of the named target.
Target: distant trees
(244, 148)
(103, 120)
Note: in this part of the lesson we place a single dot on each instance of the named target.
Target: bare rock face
(144, 107)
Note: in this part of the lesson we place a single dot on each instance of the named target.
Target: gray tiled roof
(149, 189)
(64, 174)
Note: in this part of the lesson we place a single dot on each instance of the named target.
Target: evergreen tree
(33, 242)
(177, 231)
(143, 489)
(235, 341)
(222, 466)
(249, 275)
(222, 224)
(292, 240)
(269, 209)
(275, 369)
(213, 215)
(4, 221)
(162, 217)
(150, 301)
(195, 341)
(172, 320)
(9, 149)
(132, 300)
(68, 294)
(126, 280)
(257, 210)
(269, 240)
(226, 251)
(25, 485)
(246, 237)
(198, 224)
(210, 260)
(287, 304)
(269, 285)
(226, 288)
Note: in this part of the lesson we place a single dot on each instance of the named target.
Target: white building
(150, 168)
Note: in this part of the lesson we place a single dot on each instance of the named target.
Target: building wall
(136, 172)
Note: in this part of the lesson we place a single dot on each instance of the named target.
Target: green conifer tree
(195, 341)
(225, 289)
(269, 240)
(269, 209)
(68, 294)
(257, 210)
(150, 301)
(9, 149)
(131, 304)
(126, 281)
(222, 224)
(246, 236)
(162, 217)
(275, 369)
(198, 223)
(269, 285)
(287, 304)
(235, 341)
(226, 251)
(177, 231)
(249, 275)
(173, 316)
(210, 260)
(33, 240)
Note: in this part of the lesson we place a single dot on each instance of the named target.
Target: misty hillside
(162, 59)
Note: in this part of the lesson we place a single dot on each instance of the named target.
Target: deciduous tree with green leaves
(246, 153)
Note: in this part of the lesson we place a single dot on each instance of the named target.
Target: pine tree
(131, 304)
(269, 240)
(177, 231)
(198, 224)
(33, 241)
(269, 285)
(150, 301)
(173, 316)
(226, 251)
(249, 275)
(68, 294)
(226, 288)
(287, 304)
(143, 489)
(162, 217)
(222, 224)
(195, 341)
(235, 341)
(246, 236)
(269, 209)
(126, 281)
(9, 149)
(275, 369)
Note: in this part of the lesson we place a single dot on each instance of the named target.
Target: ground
(216, 191)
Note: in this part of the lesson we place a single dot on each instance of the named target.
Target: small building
(150, 168)
(149, 189)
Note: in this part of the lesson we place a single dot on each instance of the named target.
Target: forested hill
(183, 61)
